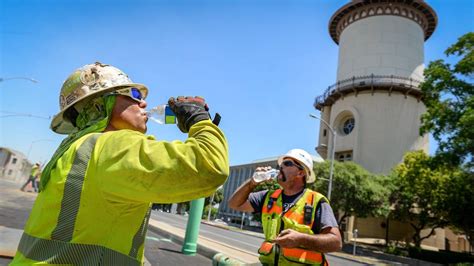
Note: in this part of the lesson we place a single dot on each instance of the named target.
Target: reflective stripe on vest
(271, 206)
(294, 254)
(139, 237)
(302, 255)
(265, 248)
(59, 252)
(72, 191)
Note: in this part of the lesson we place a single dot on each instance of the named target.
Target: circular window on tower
(348, 125)
(345, 123)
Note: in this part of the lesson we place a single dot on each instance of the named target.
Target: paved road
(236, 239)
(160, 250)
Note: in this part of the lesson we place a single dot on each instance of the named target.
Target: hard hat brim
(62, 126)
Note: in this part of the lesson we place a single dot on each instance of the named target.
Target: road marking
(232, 239)
(165, 217)
(158, 239)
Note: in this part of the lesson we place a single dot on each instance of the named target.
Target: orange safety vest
(272, 215)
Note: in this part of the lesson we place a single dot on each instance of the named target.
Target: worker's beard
(283, 176)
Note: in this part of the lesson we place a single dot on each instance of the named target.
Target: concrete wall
(386, 127)
(381, 45)
(443, 239)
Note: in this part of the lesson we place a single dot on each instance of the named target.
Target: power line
(14, 114)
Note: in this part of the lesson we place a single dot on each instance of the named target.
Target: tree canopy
(355, 191)
(448, 94)
(420, 194)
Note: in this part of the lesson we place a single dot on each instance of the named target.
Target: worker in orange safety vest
(298, 223)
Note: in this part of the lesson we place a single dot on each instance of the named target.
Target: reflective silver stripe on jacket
(59, 252)
(72, 191)
(139, 237)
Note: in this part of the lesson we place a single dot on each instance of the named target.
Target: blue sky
(260, 64)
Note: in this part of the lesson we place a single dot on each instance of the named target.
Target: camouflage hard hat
(85, 83)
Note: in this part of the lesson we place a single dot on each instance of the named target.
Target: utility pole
(210, 207)
(332, 153)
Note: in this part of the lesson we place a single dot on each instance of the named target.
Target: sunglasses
(289, 163)
(131, 92)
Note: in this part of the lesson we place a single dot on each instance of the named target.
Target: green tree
(459, 203)
(218, 197)
(420, 194)
(355, 191)
(448, 95)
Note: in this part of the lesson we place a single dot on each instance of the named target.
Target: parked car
(219, 221)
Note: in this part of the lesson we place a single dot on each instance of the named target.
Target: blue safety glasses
(288, 163)
(131, 92)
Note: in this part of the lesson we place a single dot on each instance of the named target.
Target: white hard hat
(85, 83)
(304, 159)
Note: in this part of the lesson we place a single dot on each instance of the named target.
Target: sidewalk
(15, 207)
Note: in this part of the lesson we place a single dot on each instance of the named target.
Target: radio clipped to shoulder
(308, 213)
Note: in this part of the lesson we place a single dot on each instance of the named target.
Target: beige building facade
(14, 166)
(375, 105)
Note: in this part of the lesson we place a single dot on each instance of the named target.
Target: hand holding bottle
(262, 174)
(189, 110)
(162, 114)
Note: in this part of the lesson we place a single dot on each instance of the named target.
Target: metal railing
(367, 81)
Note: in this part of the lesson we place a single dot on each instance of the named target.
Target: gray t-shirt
(323, 218)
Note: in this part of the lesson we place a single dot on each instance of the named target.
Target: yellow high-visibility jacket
(96, 206)
(34, 171)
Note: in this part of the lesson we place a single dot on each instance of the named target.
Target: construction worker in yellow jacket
(298, 223)
(97, 189)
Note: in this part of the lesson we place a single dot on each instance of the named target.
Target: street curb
(201, 250)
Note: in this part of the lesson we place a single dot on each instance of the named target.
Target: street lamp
(210, 207)
(332, 152)
(31, 145)
(25, 78)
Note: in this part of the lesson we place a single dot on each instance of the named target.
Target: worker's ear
(302, 173)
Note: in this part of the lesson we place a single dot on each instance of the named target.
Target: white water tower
(375, 104)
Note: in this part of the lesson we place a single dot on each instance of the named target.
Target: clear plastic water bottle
(162, 114)
(261, 176)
